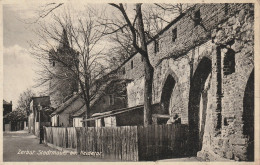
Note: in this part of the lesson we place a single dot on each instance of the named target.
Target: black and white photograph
(130, 82)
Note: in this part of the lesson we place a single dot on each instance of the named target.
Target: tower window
(197, 18)
(123, 70)
(156, 46)
(53, 63)
(229, 62)
(111, 99)
(174, 34)
(132, 64)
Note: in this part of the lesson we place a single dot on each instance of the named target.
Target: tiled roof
(42, 100)
(114, 112)
(66, 104)
(80, 111)
(92, 102)
(6, 103)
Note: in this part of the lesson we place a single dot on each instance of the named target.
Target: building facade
(39, 114)
(7, 108)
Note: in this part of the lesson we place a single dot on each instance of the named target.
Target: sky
(18, 65)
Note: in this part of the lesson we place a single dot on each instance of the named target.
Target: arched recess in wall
(166, 94)
(248, 116)
(197, 98)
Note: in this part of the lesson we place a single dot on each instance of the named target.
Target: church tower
(63, 82)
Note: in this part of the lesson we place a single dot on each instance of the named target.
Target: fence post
(78, 145)
(44, 135)
(66, 137)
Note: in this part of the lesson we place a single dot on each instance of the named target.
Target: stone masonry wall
(224, 28)
(236, 35)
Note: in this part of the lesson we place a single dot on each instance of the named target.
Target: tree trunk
(87, 101)
(148, 85)
(87, 123)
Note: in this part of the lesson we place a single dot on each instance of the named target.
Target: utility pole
(40, 109)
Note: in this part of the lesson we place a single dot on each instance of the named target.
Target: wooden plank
(111, 143)
(82, 139)
(127, 143)
(169, 151)
(97, 140)
(143, 144)
(163, 140)
(119, 143)
(87, 139)
(124, 143)
(153, 142)
(132, 143)
(114, 142)
(156, 134)
(105, 142)
(136, 145)
(160, 140)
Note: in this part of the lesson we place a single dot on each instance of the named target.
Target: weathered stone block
(238, 141)
(241, 15)
(237, 46)
(231, 21)
(229, 155)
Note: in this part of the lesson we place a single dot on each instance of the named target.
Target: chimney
(11, 103)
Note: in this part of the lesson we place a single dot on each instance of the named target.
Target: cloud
(18, 72)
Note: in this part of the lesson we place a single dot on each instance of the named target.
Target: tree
(24, 101)
(155, 18)
(136, 27)
(137, 30)
(82, 58)
(16, 115)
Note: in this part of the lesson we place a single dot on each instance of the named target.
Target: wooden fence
(127, 143)
(162, 141)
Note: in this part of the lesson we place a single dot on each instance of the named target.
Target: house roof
(113, 112)
(42, 100)
(80, 111)
(6, 103)
(100, 93)
(64, 105)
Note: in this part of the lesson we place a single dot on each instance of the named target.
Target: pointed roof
(64, 41)
(6, 103)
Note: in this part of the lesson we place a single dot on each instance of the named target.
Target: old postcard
(130, 82)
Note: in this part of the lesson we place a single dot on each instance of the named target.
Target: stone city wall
(224, 39)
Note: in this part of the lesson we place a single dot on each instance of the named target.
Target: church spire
(64, 42)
